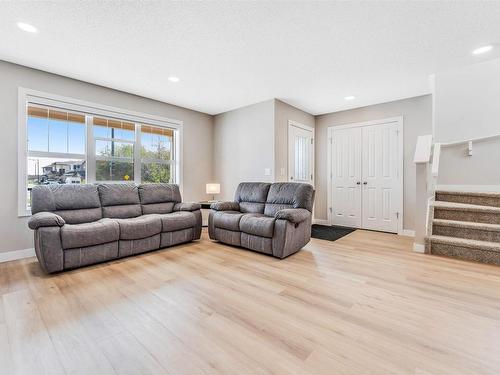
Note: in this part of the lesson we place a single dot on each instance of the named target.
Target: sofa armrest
(45, 219)
(225, 206)
(293, 215)
(187, 206)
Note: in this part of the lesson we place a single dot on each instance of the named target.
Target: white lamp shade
(213, 188)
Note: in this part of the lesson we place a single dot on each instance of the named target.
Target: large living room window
(64, 141)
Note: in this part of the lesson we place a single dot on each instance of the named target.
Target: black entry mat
(330, 233)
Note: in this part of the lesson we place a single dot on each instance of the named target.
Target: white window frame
(26, 96)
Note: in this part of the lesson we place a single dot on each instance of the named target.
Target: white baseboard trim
(418, 248)
(320, 222)
(408, 233)
(473, 188)
(16, 254)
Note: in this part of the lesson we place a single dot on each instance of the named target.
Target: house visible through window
(72, 147)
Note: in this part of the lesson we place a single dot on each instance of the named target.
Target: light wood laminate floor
(365, 304)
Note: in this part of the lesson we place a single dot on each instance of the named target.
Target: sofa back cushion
(289, 195)
(119, 201)
(159, 198)
(252, 196)
(76, 204)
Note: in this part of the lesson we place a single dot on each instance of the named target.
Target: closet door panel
(346, 177)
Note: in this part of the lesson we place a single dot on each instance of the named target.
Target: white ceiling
(231, 54)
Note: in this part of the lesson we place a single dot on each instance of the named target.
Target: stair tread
(494, 194)
(475, 244)
(467, 224)
(465, 206)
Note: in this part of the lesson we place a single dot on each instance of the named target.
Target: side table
(205, 211)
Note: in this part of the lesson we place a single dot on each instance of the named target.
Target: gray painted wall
(417, 115)
(197, 138)
(467, 106)
(284, 112)
(243, 146)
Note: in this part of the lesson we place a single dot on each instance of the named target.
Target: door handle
(358, 183)
(365, 183)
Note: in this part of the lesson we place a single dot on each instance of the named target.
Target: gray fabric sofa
(274, 219)
(78, 225)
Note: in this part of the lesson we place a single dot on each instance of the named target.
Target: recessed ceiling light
(27, 27)
(482, 49)
(173, 79)
(350, 97)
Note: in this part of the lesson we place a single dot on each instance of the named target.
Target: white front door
(380, 177)
(346, 177)
(300, 153)
(366, 181)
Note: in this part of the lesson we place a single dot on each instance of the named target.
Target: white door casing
(300, 153)
(370, 153)
(346, 177)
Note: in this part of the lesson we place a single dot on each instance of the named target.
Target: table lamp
(213, 189)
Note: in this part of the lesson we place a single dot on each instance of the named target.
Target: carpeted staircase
(465, 225)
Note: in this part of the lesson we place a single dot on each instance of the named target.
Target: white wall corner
(320, 221)
(407, 233)
(418, 248)
(16, 255)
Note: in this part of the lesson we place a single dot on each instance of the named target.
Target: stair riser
(470, 233)
(468, 199)
(465, 253)
(471, 216)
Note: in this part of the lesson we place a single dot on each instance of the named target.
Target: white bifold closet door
(365, 177)
(346, 177)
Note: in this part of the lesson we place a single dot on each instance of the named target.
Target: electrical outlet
(267, 171)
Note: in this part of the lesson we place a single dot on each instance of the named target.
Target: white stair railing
(426, 159)
(422, 160)
(438, 146)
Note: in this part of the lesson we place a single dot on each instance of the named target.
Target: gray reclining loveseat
(78, 225)
(274, 219)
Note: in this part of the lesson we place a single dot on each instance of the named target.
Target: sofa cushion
(159, 193)
(139, 227)
(227, 220)
(74, 203)
(177, 221)
(84, 215)
(89, 234)
(252, 196)
(257, 224)
(118, 194)
(122, 212)
(64, 197)
(159, 198)
(119, 201)
(158, 208)
(283, 195)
